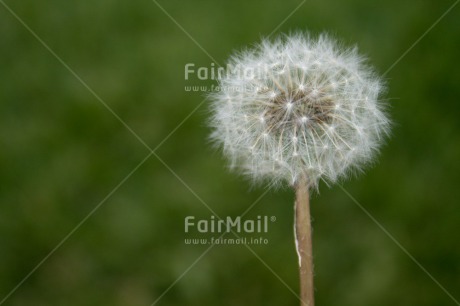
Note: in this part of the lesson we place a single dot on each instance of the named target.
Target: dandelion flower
(298, 107)
(299, 110)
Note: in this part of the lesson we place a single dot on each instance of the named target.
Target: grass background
(62, 152)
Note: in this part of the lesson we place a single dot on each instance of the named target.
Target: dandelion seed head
(316, 113)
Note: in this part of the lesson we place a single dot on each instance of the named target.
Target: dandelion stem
(302, 228)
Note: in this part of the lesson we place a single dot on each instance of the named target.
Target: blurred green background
(62, 153)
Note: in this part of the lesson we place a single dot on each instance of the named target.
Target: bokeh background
(62, 153)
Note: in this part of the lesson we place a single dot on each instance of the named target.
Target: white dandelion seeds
(309, 109)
